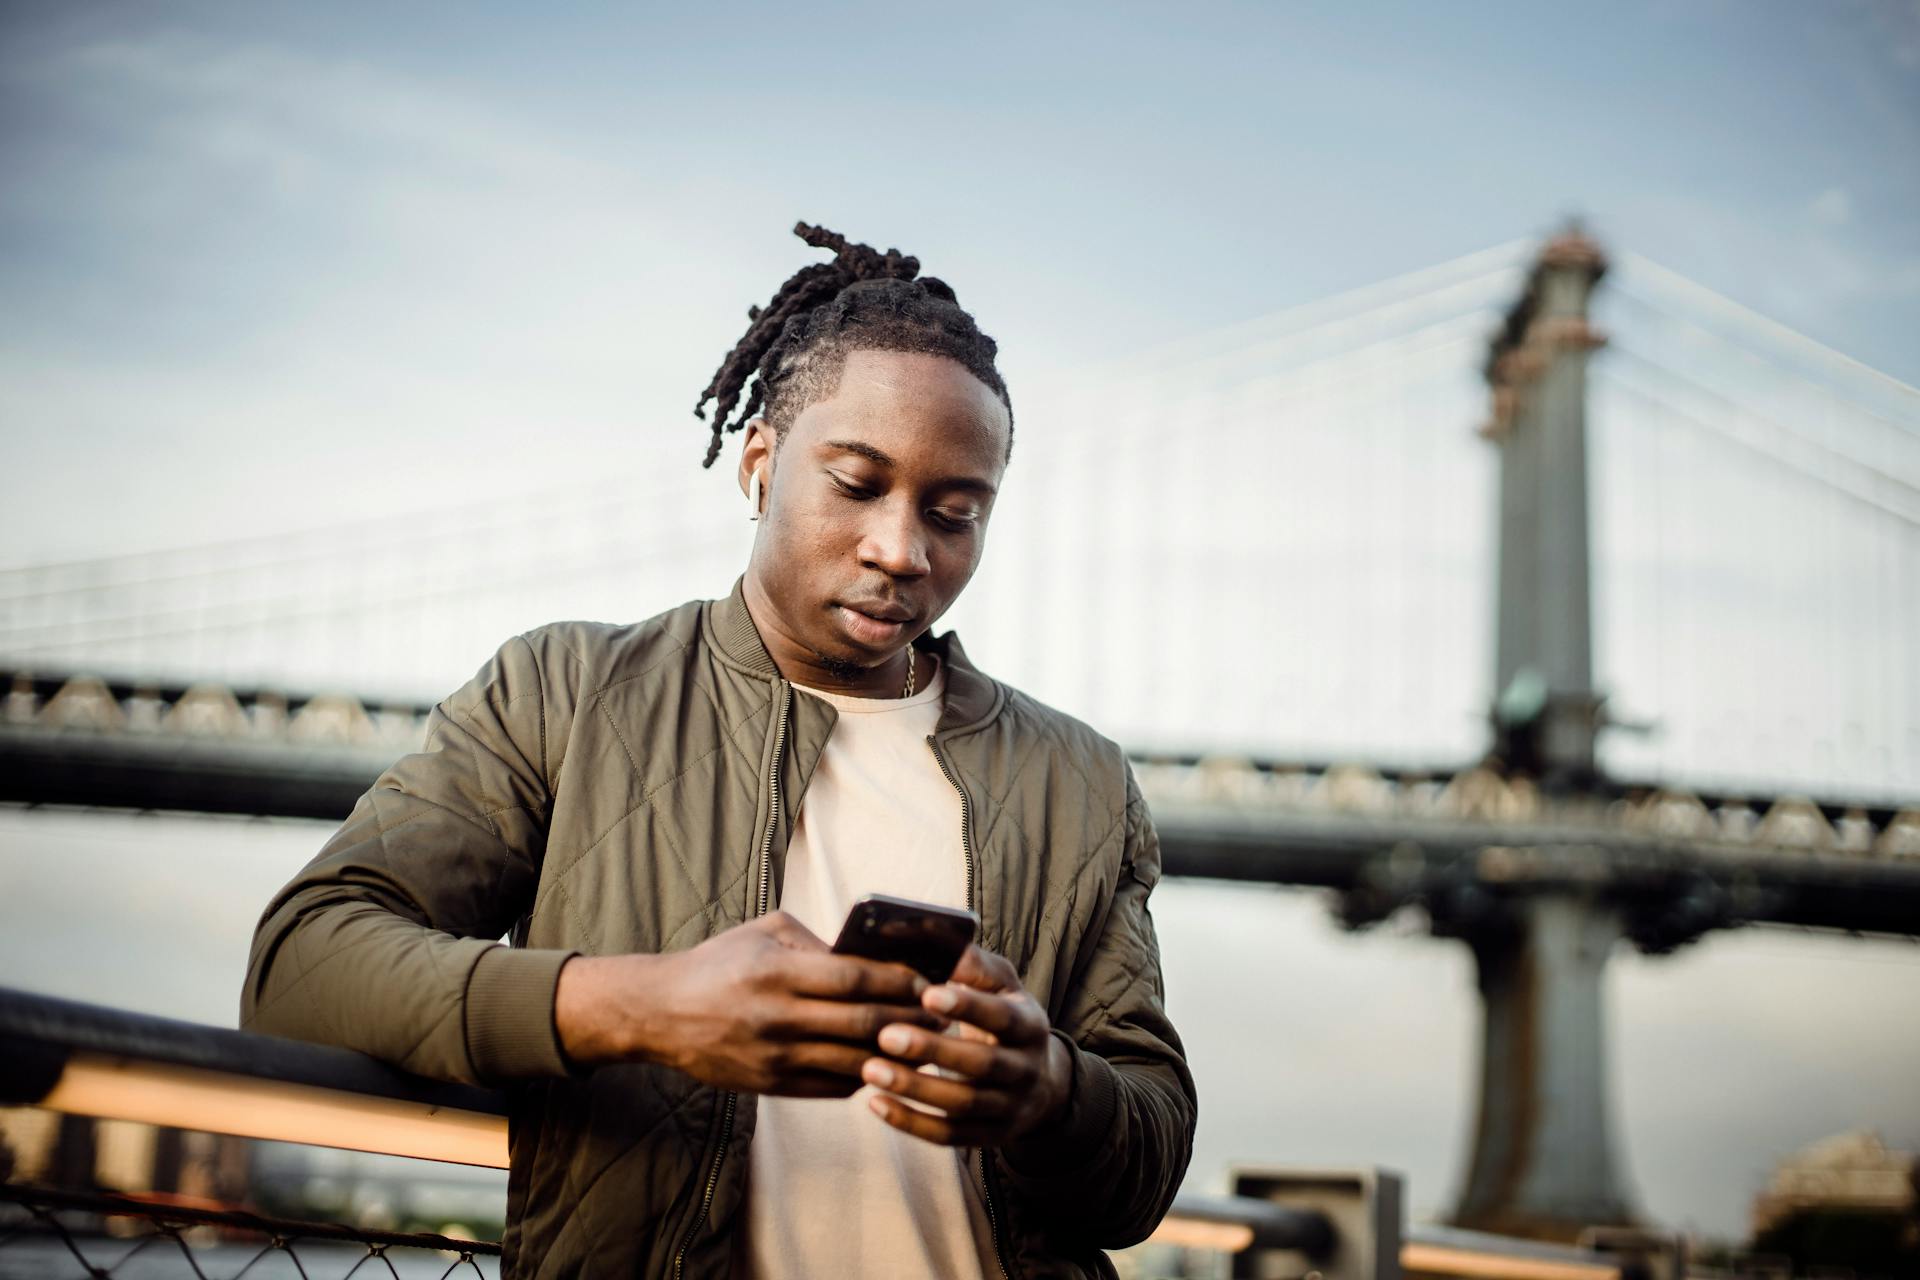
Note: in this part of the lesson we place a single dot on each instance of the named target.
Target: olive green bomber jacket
(600, 790)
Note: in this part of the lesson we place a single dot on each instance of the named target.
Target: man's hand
(1013, 1074)
(765, 1006)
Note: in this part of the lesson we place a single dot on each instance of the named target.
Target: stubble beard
(842, 669)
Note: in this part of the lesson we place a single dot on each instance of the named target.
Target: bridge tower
(1543, 1154)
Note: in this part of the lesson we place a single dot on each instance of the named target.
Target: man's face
(876, 509)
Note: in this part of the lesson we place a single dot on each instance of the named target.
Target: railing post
(1362, 1206)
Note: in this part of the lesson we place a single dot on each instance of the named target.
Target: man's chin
(845, 669)
(847, 657)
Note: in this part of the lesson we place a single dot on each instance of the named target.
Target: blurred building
(218, 1171)
(79, 1153)
(1847, 1201)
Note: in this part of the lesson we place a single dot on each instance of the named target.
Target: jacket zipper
(732, 1099)
(966, 849)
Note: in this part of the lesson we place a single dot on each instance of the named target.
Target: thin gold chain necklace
(911, 664)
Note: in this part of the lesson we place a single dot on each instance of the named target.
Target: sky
(276, 266)
(267, 258)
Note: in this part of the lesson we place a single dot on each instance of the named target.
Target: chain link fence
(50, 1235)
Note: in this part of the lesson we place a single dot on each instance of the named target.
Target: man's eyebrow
(862, 448)
(970, 484)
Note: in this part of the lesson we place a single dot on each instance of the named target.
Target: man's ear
(757, 455)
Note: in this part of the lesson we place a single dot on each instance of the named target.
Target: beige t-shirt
(833, 1190)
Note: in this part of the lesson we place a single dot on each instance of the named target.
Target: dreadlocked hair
(864, 300)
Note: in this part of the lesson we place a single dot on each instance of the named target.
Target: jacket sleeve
(387, 941)
(1111, 1164)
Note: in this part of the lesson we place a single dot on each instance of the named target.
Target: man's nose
(894, 542)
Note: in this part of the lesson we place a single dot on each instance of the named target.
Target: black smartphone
(928, 939)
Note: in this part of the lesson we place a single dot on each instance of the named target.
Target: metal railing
(89, 1060)
(43, 1231)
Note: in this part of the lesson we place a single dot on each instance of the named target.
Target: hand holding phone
(926, 938)
(995, 1073)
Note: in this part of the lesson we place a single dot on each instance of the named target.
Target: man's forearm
(361, 976)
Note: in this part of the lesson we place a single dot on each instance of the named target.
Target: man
(633, 803)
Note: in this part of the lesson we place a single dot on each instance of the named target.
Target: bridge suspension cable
(1303, 485)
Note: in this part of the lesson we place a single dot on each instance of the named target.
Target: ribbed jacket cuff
(509, 1017)
(1075, 1135)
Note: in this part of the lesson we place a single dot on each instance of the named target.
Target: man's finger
(921, 1124)
(823, 1057)
(977, 1060)
(861, 1024)
(815, 1084)
(1014, 1019)
(967, 1031)
(789, 932)
(959, 1099)
(831, 977)
(986, 970)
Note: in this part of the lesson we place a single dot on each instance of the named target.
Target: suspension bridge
(1564, 600)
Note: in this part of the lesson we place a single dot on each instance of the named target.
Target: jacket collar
(973, 697)
(734, 632)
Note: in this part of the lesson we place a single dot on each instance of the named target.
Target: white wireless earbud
(753, 496)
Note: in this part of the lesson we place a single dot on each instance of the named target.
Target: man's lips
(875, 623)
(883, 610)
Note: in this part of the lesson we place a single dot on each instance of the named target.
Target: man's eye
(957, 521)
(849, 488)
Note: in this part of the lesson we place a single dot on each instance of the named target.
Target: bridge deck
(1454, 842)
